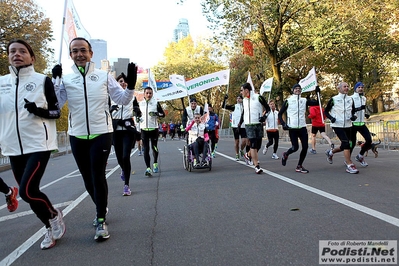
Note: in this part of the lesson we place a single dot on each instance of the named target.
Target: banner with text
(208, 81)
(310, 82)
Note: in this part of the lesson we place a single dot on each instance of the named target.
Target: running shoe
(275, 157)
(57, 225)
(312, 151)
(148, 172)
(258, 170)
(12, 202)
(101, 231)
(351, 169)
(237, 157)
(155, 168)
(126, 191)
(301, 169)
(264, 150)
(140, 153)
(361, 160)
(213, 154)
(284, 159)
(48, 241)
(123, 176)
(242, 153)
(95, 219)
(329, 155)
(248, 159)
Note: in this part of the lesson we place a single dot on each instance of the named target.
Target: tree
(191, 60)
(278, 28)
(24, 19)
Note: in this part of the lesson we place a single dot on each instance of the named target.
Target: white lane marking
(14, 255)
(379, 215)
(25, 213)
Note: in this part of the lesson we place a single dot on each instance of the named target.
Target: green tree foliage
(192, 60)
(24, 19)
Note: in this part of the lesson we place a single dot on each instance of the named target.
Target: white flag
(151, 81)
(73, 26)
(249, 80)
(208, 81)
(310, 82)
(170, 93)
(266, 86)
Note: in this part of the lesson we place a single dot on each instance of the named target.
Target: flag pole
(224, 110)
(58, 79)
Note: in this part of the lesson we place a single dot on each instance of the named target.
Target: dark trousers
(272, 136)
(123, 141)
(364, 131)
(146, 137)
(302, 135)
(28, 170)
(91, 156)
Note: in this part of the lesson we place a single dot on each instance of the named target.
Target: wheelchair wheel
(185, 157)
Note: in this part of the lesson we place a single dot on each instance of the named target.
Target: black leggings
(213, 139)
(123, 142)
(28, 170)
(4, 188)
(91, 156)
(147, 136)
(364, 131)
(272, 136)
(302, 135)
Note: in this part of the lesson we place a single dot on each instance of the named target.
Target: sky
(136, 29)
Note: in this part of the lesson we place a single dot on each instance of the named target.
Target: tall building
(99, 51)
(120, 66)
(182, 30)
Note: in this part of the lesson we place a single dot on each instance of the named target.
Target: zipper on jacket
(17, 113)
(86, 104)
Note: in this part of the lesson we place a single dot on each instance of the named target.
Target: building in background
(99, 51)
(120, 66)
(182, 30)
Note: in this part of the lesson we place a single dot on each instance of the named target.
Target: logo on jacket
(30, 86)
(94, 77)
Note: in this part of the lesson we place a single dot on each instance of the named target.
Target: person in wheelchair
(198, 140)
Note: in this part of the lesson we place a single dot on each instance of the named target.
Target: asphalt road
(226, 216)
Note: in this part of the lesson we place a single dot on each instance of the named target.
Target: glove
(113, 108)
(367, 116)
(286, 127)
(153, 113)
(57, 71)
(262, 119)
(30, 106)
(332, 120)
(226, 96)
(131, 76)
(353, 118)
(317, 90)
(137, 110)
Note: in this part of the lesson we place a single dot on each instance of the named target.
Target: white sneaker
(275, 157)
(48, 241)
(351, 169)
(329, 155)
(361, 160)
(264, 150)
(57, 225)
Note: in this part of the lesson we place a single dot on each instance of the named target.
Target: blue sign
(160, 84)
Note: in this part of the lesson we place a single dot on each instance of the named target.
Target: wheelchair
(188, 159)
